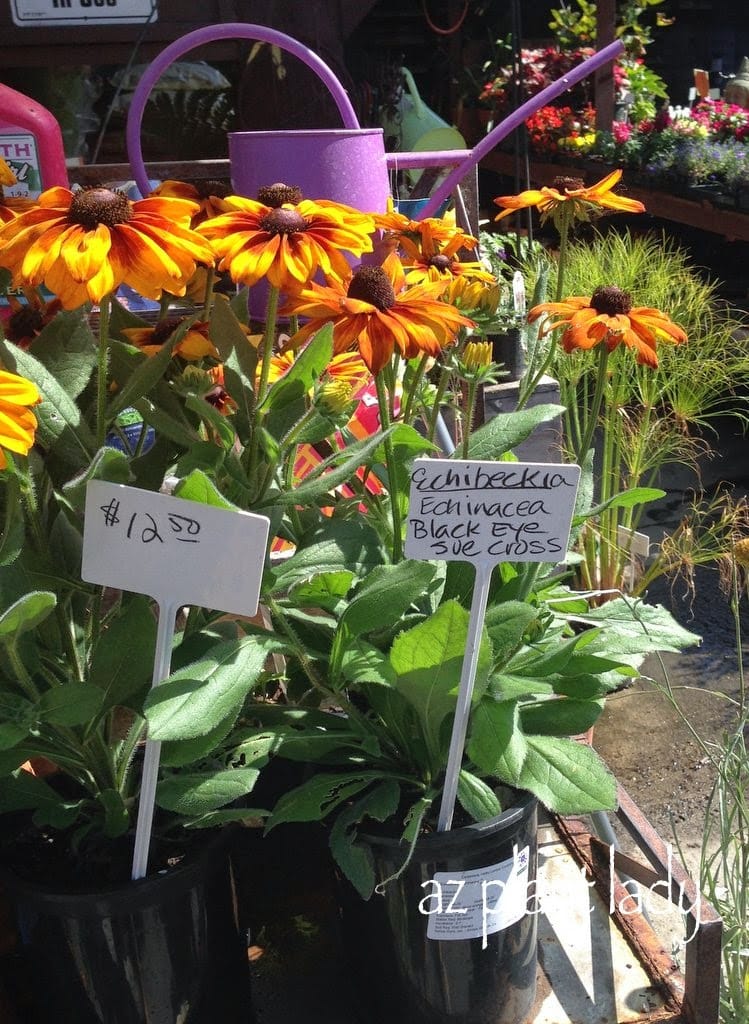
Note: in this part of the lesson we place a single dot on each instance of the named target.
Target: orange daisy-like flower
(193, 345)
(28, 319)
(10, 206)
(568, 197)
(285, 238)
(442, 229)
(428, 260)
(83, 245)
(17, 421)
(608, 317)
(347, 367)
(209, 196)
(375, 311)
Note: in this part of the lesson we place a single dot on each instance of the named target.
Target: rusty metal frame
(691, 997)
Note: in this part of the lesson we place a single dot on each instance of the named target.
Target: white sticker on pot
(173, 549)
(475, 904)
(490, 512)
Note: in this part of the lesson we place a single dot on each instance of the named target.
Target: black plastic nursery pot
(453, 938)
(161, 950)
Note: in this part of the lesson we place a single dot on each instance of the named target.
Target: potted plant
(353, 641)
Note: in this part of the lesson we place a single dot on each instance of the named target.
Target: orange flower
(285, 238)
(193, 345)
(209, 196)
(83, 245)
(428, 260)
(608, 317)
(17, 421)
(569, 197)
(376, 311)
(441, 229)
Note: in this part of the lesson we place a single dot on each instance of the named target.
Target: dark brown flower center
(611, 300)
(164, 329)
(208, 188)
(372, 285)
(283, 221)
(279, 193)
(563, 184)
(24, 323)
(440, 262)
(93, 206)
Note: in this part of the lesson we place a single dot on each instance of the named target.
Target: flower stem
(105, 309)
(595, 408)
(382, 401)
(468, 416)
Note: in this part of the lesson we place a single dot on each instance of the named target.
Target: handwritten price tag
(490, 512)
(172, 549)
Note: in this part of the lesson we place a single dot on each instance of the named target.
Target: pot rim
(436, 843)
(129, 896)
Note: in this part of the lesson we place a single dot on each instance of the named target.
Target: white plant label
(490, 512)
(172, 549)
(478, 903)
(83, 12)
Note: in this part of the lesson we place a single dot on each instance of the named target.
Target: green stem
(23, 678)
(382, 401)
(266, 352)
(210, 277)
(415, 385)
(595, 409)
(468, 416)
(105, 309)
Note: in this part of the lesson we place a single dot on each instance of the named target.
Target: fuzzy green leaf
(26, 614)
(386, 594)
(379, 804)
(496, 743)
(196, 699)
(476, 797)
(120, 668)
(428, 662)
(198, 793)
(505, 431)
(560, 717)
(314, 800)
(567, 777)
(70, 704)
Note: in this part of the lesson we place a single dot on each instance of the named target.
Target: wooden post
(604, 78)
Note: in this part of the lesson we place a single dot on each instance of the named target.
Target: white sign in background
(83, 12)
(172, 549)
(490, 512)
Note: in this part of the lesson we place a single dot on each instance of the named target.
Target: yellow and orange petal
(287, 244)
(376, 312)
(83, 245)
(17, 422)
(195, 343)
(579, 201)
(608, 317)
(209, 196)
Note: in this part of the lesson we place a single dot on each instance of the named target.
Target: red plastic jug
(31, 144)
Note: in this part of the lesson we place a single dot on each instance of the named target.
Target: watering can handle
(416, 98)
(209, 34)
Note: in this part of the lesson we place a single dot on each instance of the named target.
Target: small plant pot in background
(164, 949)
(403, 975)
(508, 350)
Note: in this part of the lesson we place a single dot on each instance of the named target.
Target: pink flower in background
(621, 131)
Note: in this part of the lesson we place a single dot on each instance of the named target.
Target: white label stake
(485, 513)
(178, 552)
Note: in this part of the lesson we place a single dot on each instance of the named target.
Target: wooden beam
(604, 77)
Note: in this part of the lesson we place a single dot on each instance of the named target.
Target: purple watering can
(349, 164)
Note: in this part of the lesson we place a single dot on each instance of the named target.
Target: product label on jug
(475, 904)
(19, 151)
